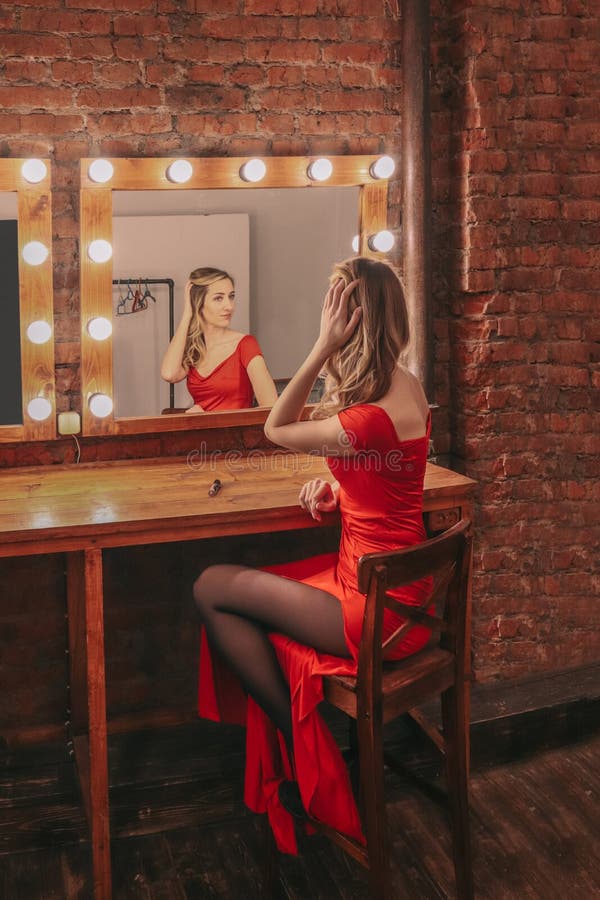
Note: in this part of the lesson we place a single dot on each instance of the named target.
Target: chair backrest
(447, 559)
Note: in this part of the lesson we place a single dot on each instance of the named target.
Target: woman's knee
(204, 589)
(211, 587)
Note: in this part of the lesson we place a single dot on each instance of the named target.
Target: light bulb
(35, 253)
(100, 405)
(100, 251)
(39, 332)
(34, 171)
(101, 171)
(99, 328)
(254, 170)
(180, 171)
(320, 170)
(383, 167)
(39, 408)
(382, 241)
(356, 243)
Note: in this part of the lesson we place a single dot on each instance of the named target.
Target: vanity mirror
(146, 223)
(27, 404)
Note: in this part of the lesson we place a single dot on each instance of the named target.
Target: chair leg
(455, 729)
(351, 758)
(370, 746)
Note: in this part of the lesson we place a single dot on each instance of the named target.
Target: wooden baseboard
(510, 720)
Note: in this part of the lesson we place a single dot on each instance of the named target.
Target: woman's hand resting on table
(319, 496)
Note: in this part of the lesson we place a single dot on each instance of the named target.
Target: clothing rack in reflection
(171, 285)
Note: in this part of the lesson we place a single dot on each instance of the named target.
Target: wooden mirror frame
(207, 173)
(34, 217)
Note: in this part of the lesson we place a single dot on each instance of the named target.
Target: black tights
(239, 606)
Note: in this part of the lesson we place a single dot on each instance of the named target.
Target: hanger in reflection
(134, 300)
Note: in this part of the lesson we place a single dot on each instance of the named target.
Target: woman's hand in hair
(336, 326)
(318, 496)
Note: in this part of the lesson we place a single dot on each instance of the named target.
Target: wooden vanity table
(82, 509)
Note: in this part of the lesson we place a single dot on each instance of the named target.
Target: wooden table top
(54, 508)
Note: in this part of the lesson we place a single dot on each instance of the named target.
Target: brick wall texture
(516, 168)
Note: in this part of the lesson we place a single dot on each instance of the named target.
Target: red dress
(228, 385)
(381, 494)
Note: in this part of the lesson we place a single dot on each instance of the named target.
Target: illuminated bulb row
(100, 251)
(100, 406)
(180, 170)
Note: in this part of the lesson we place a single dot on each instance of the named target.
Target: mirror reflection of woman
(224, 369)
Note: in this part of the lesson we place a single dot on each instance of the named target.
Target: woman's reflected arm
(261, 381)
(171, 369)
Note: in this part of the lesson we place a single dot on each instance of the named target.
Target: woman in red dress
(224, 369)
(275, 632)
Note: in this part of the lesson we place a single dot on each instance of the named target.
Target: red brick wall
(516, 164)
(517, 169)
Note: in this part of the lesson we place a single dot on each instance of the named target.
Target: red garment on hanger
(381, 498)
(228, 385)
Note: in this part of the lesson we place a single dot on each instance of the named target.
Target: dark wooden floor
(181, 831)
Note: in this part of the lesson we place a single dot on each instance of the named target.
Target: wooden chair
(383, 691)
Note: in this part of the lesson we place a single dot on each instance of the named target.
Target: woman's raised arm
(324, 436)
(171, 368)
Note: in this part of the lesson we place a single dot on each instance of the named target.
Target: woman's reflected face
(219, 303)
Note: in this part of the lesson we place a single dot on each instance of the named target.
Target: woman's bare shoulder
(407, 384)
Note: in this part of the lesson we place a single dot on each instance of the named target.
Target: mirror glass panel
(11, 408)
(278, 245)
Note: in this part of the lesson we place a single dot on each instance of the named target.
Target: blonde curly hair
(195, 345)
(361, 371)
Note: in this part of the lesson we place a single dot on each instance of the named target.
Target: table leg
(88, 704)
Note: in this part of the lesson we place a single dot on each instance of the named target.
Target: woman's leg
(239, 606)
